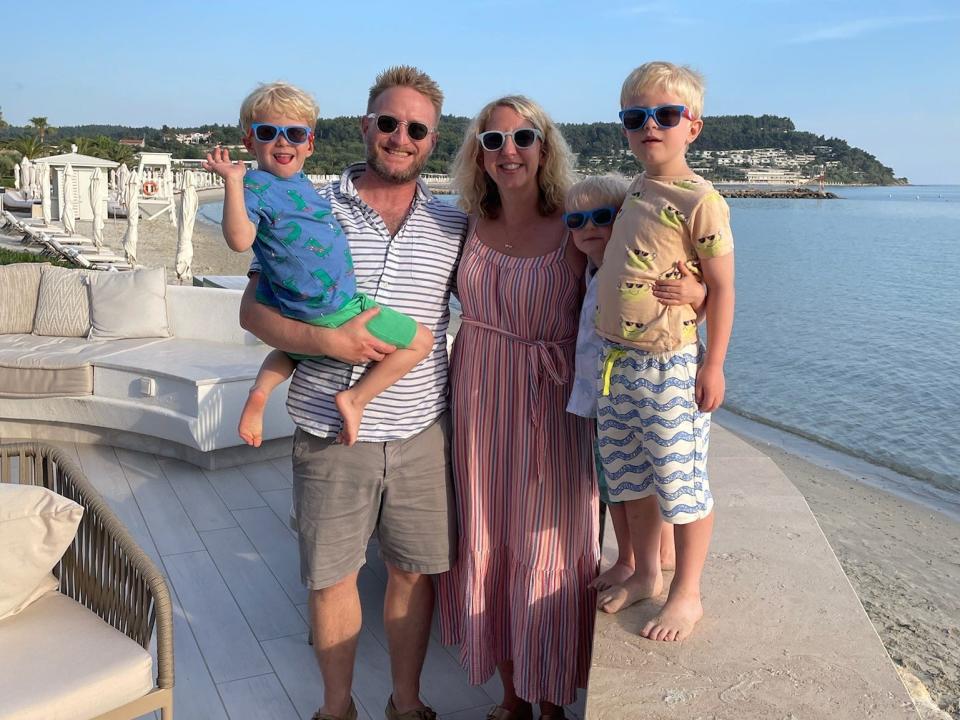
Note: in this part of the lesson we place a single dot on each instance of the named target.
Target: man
(396, 479)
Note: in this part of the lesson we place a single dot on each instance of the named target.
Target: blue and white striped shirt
(412, 272)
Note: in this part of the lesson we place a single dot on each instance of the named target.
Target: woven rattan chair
(104, 569)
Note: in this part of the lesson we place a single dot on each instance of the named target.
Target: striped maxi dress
(524, 475)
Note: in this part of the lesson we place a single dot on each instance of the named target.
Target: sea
(847, 329)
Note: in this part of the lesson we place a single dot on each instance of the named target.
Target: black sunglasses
(493, 140)
(599, 216)
(388, 124)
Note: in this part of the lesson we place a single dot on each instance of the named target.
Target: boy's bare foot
(352, 413)
(251, 419)
(614, 575)
(633, 589)
(677, 619)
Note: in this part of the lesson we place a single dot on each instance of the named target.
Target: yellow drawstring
(613, 354)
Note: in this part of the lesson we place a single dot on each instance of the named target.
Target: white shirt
(583, 396)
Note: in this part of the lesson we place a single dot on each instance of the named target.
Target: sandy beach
(903, 560)
(157, 246)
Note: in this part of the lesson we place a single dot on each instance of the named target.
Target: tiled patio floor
(231, 560)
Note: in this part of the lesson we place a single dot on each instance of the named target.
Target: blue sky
(882, 75)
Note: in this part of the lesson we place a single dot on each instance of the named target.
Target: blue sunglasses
(598, 216)
(666, 116)
(295, 134)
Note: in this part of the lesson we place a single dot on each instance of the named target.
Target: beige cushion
(63, 305)
(129, 304)
(32, 366)
(66, 663)
(36, 526)
(19, 287)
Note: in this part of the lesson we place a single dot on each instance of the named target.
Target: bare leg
(276, 368)
(623, 568)
(352, 401)
(643, 518)
(511, 701)
(668, 552)
(407, 611)
(683, 608)
(336, 618)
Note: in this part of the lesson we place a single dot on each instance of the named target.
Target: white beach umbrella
(133, 218)
(96, 202)
(26, 178)
(188, 215)
(69, 214)
(43, 171)
(16, 176)
(123, 174)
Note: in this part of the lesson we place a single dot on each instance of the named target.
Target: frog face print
(641, 259)
(631, 330)
(632, 289)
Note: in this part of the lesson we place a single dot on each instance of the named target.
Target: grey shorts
(401, 490)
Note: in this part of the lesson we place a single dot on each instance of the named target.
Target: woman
(518, 600)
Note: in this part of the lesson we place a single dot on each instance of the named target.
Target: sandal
(350, 715)
(499, 712)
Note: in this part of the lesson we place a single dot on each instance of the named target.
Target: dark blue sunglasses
(598, 216)
(295, 134)
(666, 116)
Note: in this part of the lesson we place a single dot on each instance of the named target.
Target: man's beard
(392, 176)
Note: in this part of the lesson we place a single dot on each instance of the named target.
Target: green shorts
(387, 325)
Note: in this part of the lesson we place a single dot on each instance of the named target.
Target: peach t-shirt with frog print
(663, 220)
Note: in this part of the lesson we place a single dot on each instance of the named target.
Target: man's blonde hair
(280, 98)
(479, 194)
(406, 76)
(597, 191)
(680, 80)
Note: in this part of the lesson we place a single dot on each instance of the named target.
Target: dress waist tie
(546, 361)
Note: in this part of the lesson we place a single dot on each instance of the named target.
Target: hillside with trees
(599, 146)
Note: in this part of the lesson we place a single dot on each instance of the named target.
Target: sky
(882, 75)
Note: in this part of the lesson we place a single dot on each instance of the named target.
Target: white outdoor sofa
(178, 396)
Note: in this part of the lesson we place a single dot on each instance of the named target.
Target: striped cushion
(19, 287)
(63, 305)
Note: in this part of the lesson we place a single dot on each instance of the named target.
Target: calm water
(848, 323)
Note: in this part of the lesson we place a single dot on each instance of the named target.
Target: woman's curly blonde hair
(478, 193)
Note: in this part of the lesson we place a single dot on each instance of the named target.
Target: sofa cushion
(36, 526)
(63, 304)
(19, 287)
(129, 304)
(32, 366)
(65, 662)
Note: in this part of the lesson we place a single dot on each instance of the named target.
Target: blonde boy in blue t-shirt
(306, 270)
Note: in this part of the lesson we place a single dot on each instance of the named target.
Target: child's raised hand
(218, 162)
(688, 290)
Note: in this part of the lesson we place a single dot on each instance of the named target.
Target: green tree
(3, 123)
(41, 126)
(28, 146)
